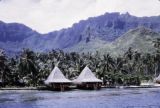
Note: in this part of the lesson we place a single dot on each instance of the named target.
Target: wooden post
(87, 85)
(62, 87)
(95, 86)
(52, 87)
(99, 85)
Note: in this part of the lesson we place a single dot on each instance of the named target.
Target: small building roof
(158, 78)
(56, 76)
(86, 76)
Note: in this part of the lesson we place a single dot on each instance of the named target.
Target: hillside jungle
(31, 69)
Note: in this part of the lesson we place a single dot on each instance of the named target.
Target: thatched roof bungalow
(157, 80)
(88, 80)
(57, 81)
(1, 83)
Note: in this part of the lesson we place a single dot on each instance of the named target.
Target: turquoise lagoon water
(104, 98)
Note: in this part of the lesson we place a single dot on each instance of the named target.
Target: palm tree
(5, 72)
(157, 56)
(28, 67)
(2, 65)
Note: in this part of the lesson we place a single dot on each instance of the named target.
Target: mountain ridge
(105, 28)
(140, 39)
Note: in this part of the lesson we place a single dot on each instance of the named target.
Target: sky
(49, 15)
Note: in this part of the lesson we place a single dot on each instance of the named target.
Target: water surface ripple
(104, 98)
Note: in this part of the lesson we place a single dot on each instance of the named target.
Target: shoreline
(19, 88)
(72, 87)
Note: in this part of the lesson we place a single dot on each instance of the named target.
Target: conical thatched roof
(157, 79)
(86, 76)
(56, 76)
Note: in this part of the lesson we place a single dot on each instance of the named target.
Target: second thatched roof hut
(157, 79)
(87, 79)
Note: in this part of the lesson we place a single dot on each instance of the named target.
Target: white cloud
(49, 15)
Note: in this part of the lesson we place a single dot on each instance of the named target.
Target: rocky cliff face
(140, 39)
(106, 28)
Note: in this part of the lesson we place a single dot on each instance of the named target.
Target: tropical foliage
(31, 69)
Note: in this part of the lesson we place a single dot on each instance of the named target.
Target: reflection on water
(105, 98)
(2, 100)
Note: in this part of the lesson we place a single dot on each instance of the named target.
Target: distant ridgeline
(109, 33)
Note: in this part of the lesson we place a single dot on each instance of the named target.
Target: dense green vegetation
(31, 69)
